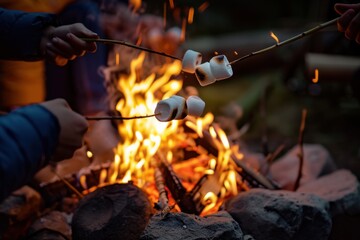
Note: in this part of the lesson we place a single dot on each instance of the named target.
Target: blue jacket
(21, 32)
(29, 135)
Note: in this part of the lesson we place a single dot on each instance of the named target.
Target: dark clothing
(20, 34)
(79, 81)
(28, 137)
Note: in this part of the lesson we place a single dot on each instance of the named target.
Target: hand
(349, 21)
(72, 128)
(63, 43)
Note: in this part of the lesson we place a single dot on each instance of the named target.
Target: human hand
(72, 128)
(61, 44)
(349, 21)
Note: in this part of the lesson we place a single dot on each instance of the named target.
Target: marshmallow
(220, 67)
(190, 60)
(171, 108)
(195, 106)
(204, 75)
(182, 108)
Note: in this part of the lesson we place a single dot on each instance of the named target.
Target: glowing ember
(274, 37)
(316, 78)
(135, 4)
(183, 30)
(191, 15)
(203, 6)
(171, 3)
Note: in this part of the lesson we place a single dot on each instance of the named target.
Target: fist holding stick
(61, 44)
(349, 21)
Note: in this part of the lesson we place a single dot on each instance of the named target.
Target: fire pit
(181, 179)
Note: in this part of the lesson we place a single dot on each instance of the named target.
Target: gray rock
(277, 215)
(317, 162)
(341, 189)
(182, 226)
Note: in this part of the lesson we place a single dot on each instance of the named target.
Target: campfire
(183, 178)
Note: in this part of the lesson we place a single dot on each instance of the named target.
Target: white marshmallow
(195, 106)
(171, 108)
(204, 75)
(220, 67)
(181, 108)
(190, 60)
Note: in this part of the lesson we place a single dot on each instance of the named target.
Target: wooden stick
(301, 152)
(110, 41)
(97, 118)
(290, 40)
(71, 187)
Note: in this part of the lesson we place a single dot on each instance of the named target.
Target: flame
(316, 78)
(144, 141)
(274, 37)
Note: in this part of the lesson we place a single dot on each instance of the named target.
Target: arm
(21, 34)
(31, 135)
(28, 137)
(32, 36)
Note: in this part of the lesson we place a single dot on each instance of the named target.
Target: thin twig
(97, 118)
(110, 41)
(301, 148)
(71, 187)
(290, 40)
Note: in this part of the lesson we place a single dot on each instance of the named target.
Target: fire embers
(218, 68)
(177, 108)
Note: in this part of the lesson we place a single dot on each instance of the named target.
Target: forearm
(28, 137)
(21, 34)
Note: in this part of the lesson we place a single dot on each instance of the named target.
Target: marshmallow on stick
(220, 67)
(195, 106)
(171, 108)
(204, 75)
(177, 108)
(190, 60)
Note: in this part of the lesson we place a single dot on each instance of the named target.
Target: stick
(301, 152)
(71, 187)
(97, 118)
(290, 40)
(110, 41)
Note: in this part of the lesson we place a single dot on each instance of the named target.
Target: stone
(317, 162)
(340, 188)
(280, 215)
(118, 211)
(183, 226)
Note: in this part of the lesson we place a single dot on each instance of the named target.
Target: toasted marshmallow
(181, 107)
(204, 75)
(190, 60)
(195, 106)
(220, 67)
(171, 108)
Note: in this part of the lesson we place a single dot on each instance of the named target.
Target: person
(33, 135)
(349, 21)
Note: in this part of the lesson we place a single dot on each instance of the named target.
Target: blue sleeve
(28, 137)
(20, 34)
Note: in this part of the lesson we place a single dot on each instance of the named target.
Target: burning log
(183, 198)
(119, 211)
